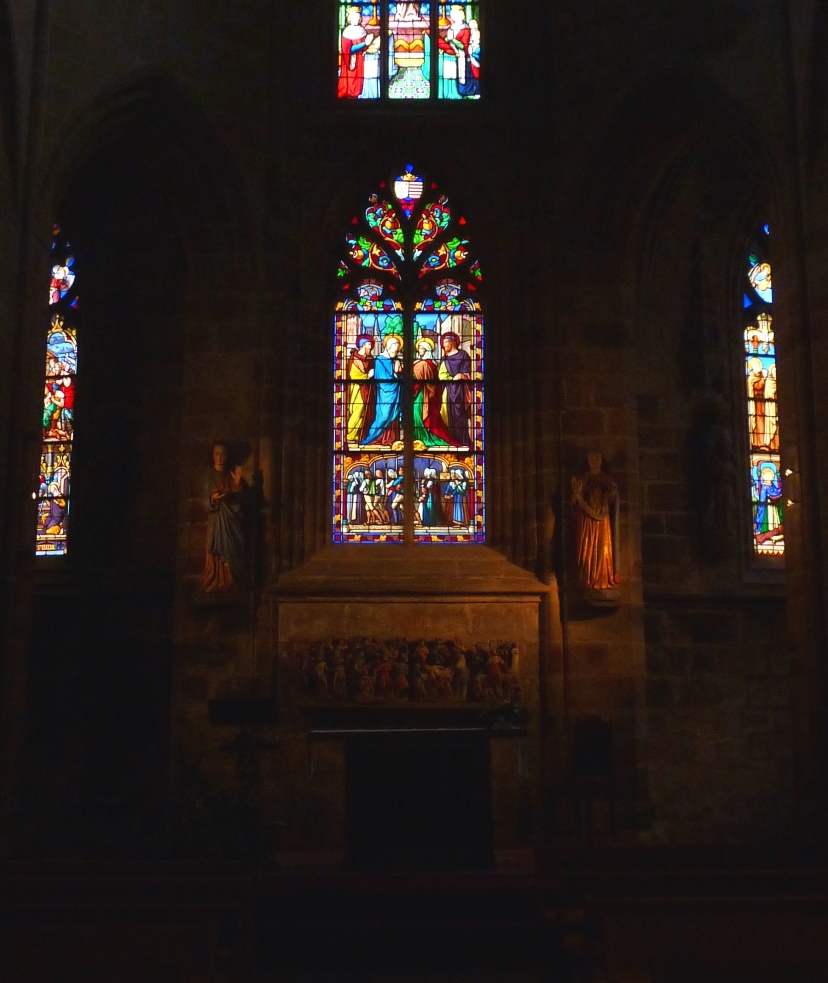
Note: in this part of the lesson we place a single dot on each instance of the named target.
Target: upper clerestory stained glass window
(409, 50)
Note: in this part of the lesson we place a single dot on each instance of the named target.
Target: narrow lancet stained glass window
(388, 50)
(58, 403)
(408, 460)
(763, 418)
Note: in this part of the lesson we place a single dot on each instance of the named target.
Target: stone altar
(470, 593)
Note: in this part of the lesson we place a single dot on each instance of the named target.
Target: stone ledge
(391, 570)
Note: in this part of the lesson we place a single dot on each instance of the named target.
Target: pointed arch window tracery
(408, 443)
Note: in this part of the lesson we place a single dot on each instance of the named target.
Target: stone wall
(610, 176)
(719, 725)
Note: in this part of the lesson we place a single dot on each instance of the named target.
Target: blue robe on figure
(458, 492)
(386, 426)
(768, 512)
(431, 511)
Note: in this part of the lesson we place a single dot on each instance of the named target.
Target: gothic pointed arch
(153, 120)
(408, 434)
(143, 151)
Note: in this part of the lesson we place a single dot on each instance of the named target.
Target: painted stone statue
(224, 566)
(595, 507)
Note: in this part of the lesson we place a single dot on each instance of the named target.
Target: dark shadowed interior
(413, 495)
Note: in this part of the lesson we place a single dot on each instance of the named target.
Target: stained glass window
(409, 50)
(763, 418)
(58, 402)
(408, 461)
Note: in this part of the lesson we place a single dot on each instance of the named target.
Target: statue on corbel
(595, 512)
(232, 506)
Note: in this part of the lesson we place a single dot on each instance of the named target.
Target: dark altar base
(418, 800)
(411, 779)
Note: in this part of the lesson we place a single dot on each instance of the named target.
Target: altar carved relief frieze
(405, 673)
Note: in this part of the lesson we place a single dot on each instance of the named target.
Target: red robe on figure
(468, 74)
(352, 62)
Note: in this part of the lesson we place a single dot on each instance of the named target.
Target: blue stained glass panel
(763, 416)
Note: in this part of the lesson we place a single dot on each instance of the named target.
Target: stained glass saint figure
(429, 427)
(459, 58)
(359, 52)
(388, 367)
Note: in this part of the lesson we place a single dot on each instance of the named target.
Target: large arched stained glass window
(387, 51)
(408, 374)
(58, 403)
(763, 419)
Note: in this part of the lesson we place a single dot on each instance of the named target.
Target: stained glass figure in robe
(376, 416)
(360, 396)
(768, 509)
(368, 488)
(369, 361)
(458, 63)
(762, 412)
(430, 430)
(359, 51)
(63, 278)
(53, 498)
(385, 429)
(59, 387)
(58, 415)
(448, 405)
(449, 498)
